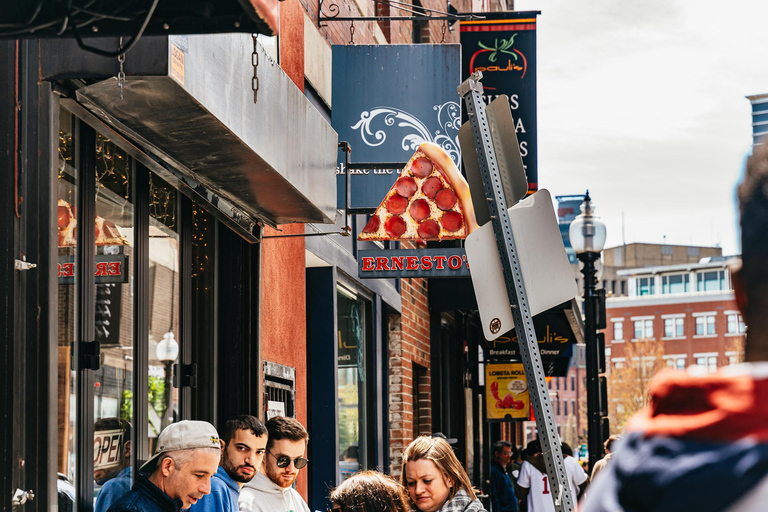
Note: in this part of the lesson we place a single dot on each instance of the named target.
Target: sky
(644, 104)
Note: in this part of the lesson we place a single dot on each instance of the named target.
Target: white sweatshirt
(262, 495)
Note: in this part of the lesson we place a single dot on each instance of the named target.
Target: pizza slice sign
(429, 201)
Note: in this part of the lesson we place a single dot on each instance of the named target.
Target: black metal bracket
(185, 375)
(90, 355)
(423, 14)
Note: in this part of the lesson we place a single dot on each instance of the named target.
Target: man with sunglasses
(243, 444)
(271, 490)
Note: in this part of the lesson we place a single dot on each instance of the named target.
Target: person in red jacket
(702, 442)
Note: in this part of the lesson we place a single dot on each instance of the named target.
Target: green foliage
(157, 394)
(126, 406)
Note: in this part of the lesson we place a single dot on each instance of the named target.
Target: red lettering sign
(440, 262)
(413, 263)
(426, 263)
(454, 262)
(368, 264)
(397, 262)
(113, 268)
(382, 264)
(101, 269)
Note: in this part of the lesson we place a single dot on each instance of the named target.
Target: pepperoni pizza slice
(429, 201)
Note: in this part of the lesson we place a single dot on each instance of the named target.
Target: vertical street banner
(387, 100)
(503, 47)
(506, 392)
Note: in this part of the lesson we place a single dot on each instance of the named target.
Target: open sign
(107, 446)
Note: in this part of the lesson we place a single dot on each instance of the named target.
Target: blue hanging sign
(387, 100)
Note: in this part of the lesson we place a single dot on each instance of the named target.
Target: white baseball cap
(183, 435)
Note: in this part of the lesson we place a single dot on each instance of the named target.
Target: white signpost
(512, 257)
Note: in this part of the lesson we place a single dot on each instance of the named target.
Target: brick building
(689, 307)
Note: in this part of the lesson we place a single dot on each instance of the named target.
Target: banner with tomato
(503, 47)
(506, 392)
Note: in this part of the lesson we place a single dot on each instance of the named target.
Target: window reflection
(352, 381)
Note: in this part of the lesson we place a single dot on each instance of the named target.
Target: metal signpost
(472, 92)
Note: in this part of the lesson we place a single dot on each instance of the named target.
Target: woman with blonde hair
(370, 491)
(435, 479)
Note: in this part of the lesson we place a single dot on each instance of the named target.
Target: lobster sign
(507, 392)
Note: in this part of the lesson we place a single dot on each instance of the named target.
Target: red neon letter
(368, 264)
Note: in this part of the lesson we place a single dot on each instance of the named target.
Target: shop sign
(503, 47)
(506, 392)
(449, 262)
(391, 99)
(107, 447)
(110, 268)
(554, 335)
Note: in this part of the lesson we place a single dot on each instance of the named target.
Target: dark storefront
(140, 215)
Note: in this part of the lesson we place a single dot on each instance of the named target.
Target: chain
(445, 26)
(352, 33)
(255, 62)
(121, 73)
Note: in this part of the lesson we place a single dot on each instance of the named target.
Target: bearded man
(271, 490)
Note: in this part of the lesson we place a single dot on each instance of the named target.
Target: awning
(188, 100)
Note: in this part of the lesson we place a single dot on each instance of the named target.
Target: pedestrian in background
(503, 497)
(533, 487)
(435, 478)
(702, 442)
(370, 491)
(577, 477)
(609, 445)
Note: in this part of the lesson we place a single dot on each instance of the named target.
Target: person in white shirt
(533, 484)
(271, 490)
(577, 477)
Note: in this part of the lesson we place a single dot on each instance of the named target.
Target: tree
(628, 381)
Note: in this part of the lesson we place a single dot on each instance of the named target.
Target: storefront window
(163, 305)
(352, 325)
(113, 394)
(68, 303)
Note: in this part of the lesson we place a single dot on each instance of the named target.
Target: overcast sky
(644, 104)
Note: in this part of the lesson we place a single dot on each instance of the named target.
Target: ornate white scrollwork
(448, 118)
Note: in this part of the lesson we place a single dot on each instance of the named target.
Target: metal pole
(472, 92)
(594, 428)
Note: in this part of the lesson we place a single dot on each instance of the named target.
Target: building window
(710, 281)
(677, 283)
(735, 324)
(674, 327)
(623, 287)
(705, 325)
(565, 408)
(618, 330)
(573, 383)
(643, 329)
(558, 407)
(645, 285)
(709, 362)
(676, 363)
(557, 383)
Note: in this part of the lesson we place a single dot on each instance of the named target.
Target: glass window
(565, 408)
(735, 324)
(708, 362)
(618, 330)
(352, 335)
(68, 297)
(645, 285)
(113, 389)
(674, 327)
(710, 281)
(163, 306)
(705, 325)
(677, 283)
(573, 383)
(643, 329)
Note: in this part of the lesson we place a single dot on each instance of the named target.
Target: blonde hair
(370, 491)
(441, 454)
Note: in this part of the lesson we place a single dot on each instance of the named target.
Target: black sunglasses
(284, 461)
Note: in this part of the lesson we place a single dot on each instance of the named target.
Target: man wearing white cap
(179, 473)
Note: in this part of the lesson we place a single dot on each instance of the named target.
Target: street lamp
(587, 236)
(167, 351)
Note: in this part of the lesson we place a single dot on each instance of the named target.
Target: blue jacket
(146, 497)
(113, 490)
(503, 497)
(223, 496)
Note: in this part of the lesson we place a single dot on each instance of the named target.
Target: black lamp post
(587, 236)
